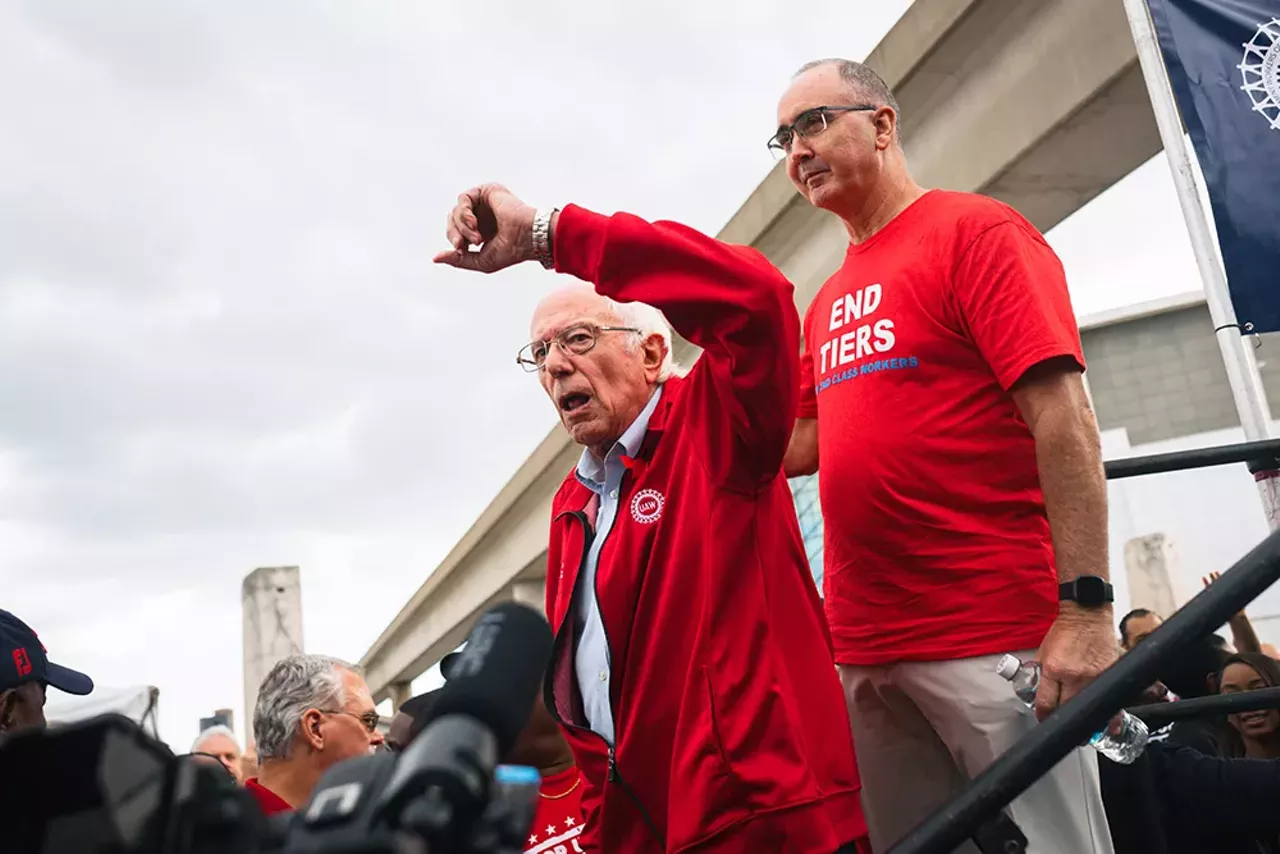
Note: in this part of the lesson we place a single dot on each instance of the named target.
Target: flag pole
(1237, 353)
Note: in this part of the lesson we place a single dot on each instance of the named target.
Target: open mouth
(808, 177)
(573, 401)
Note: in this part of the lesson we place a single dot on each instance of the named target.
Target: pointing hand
(491, 218)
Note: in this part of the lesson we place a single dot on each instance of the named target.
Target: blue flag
(1223, 58)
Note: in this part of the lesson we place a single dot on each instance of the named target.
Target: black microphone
(475, 722)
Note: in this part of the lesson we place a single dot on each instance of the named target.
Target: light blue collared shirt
(604, 478)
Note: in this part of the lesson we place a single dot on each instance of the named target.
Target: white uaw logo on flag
(1260, 72)
(646, 506)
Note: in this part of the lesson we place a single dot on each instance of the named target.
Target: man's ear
(655, 350)
(886, 122)
(310, 726)
(8, 703)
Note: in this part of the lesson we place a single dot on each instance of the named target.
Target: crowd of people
(702, 695)
(1204, 783)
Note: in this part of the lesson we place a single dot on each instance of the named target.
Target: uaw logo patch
(646, 506)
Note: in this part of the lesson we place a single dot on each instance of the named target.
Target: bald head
(862, 82)
(838, 127)
(577, 299)
(599, 361)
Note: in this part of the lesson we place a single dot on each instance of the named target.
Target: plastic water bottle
(1123, 747)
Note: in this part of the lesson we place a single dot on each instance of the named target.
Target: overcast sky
(222, 343)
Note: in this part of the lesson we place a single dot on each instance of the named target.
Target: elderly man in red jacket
(692, 670)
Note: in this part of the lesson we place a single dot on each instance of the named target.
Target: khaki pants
(923, 729)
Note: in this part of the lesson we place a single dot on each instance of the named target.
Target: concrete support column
(1155, 574)
(271, 600)
(531, 592)
(400, 694)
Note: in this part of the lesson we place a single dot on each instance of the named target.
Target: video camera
(105, 787)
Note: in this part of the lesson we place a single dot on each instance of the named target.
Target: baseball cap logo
(21, 661)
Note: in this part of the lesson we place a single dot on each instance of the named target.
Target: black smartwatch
(1089, 591)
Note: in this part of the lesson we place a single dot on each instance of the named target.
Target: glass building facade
(804, 490)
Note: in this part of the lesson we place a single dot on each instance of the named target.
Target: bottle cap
(1007, 667)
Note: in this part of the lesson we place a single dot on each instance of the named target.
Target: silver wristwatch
(542, 238)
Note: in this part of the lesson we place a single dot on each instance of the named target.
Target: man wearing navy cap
(26, 673)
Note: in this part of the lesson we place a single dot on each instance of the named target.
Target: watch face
(1091, 590)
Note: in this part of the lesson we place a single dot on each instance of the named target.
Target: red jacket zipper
(548, 686)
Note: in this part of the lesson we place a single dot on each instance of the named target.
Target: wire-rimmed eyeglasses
(369, 720)
(576, 340)
(808, 124)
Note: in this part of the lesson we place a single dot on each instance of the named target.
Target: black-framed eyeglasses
(369, 720)
(808, 124)
(576, 340)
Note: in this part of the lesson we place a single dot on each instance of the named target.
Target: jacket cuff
(578, 242)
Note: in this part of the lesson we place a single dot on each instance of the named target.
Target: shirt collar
(591, 469)
(270, 802)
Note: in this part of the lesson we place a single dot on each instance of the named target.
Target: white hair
(644, 318)
(209, 733)
(650, 321)
(295, 684)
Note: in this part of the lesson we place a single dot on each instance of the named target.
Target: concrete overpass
(1040, 104)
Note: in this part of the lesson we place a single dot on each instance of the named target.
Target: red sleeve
(808, 406)
(728, 300)
(1012, 295)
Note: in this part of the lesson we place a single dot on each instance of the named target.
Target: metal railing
(1159, 714)
(1077, 720)
(1260, 456)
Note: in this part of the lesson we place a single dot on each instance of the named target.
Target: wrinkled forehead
(356, 690)
(818, 87)
(567, 308)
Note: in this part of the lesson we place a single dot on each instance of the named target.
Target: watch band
(542, 249)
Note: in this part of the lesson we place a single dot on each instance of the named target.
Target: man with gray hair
(312, 713)
(691, 671)
(220, 743)
(943, 407)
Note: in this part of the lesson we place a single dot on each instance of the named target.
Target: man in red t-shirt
(559, 820)
(943, 406)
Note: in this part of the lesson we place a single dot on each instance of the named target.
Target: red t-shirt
(270, 802)
(937, 545)
(558, 822)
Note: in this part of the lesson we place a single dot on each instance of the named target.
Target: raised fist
(491, 218)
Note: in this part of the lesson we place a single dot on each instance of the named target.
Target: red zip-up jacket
(730, 724)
